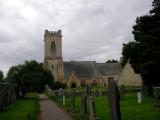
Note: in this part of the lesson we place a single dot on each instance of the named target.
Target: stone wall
(129, 78)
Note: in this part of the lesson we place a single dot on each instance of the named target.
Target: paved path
(50, 111)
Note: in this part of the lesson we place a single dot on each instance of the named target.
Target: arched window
(53, 47)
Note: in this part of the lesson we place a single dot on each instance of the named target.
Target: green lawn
(22, 109)
(130, 109)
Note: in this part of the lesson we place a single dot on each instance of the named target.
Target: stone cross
(84, 104)
(92, 109)
(114, 100)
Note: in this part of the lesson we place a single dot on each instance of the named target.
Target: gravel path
(50, 111)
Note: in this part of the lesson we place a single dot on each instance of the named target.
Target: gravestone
(87, 89)
(157, 96)
(139, 97)
(97, 93)
(122, 90)
(101, 93)
(114, 100)
(61, 93)
(63, 99)
(84, 104)
(73, 99)
(143, 91)
(90, 90)
(92, 109)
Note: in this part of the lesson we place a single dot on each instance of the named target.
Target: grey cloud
(92, 29)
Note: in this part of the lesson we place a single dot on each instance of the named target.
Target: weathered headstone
(143, 91)
(61, 94)
(87, 89)
(63, 99)
(92, 109)
(114, 100)
(157, 96)
(97, 93)
(90, 90)
(139, 97)
(122, 89)
(101, 93)
(73, 99)
(84, 104)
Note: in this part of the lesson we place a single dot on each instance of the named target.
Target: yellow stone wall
(129, 78)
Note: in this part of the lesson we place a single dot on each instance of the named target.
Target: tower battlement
(52, 34)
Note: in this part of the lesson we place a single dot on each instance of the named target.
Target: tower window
(53, 47)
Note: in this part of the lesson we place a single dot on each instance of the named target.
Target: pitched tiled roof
(82, 69)
(90, 69)
(109, 68)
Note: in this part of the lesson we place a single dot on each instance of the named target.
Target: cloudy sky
(92, 29)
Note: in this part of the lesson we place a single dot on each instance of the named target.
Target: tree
(144, 52)
(112, 61)
(29, 76)
(1, 76)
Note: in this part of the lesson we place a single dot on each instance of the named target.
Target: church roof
(90, 69)
(109, 68)
(82, 69)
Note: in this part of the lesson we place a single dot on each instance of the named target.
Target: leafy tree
(144, 52)
(29, 76)
(1, 76)
(112, 61)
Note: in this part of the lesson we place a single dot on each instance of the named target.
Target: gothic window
(53, 47)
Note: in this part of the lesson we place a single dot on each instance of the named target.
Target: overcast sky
(92, 29)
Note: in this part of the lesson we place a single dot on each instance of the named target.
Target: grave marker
(114, 100)
(157, 96)
(84, 104)
(139, 97)
(73, 99)
(92, 109)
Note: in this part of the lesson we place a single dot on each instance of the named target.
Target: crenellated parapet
(52, 34)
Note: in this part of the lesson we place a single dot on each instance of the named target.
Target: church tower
(53, 60)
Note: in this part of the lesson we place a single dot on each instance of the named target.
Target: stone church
(77, 73)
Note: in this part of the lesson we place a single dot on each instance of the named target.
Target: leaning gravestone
(114, 100)
(92, 109)
(84, 104)
(157, 96)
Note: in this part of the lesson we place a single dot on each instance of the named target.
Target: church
(80, 73)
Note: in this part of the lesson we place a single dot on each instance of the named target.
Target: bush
(57, 85)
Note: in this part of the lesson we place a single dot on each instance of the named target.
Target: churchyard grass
(22, 109)
(130, 109)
